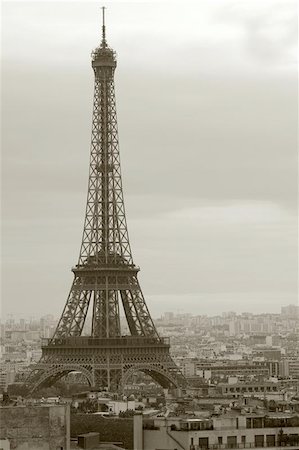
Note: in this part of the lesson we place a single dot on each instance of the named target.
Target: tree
(88, 406)
(272, 405)
(17, 389)
(128, 413)
(6, 399)
(282, 437)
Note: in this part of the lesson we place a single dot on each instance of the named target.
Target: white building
(222, 432)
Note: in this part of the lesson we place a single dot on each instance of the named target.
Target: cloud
(208, 142)
(270, 29)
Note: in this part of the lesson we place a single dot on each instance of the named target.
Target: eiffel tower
(105, 274)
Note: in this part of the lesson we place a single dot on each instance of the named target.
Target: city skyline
(176, 313)
(193, 231)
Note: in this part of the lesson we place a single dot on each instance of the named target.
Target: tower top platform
(103, 55)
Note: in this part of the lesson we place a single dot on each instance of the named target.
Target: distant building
(264, 389)
(268, 353)
(168, 316)
(7, 376)
(214, 369)
(289, 368)
(290, 311)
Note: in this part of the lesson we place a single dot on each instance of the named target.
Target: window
(203, 442)
(231, 441)
(257, 422)
(294, 439)
(220, 440)
(270, 440)
(259, 440)
(243, 439)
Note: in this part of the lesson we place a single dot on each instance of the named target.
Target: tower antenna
(103, 27)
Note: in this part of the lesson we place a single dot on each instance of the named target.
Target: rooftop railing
(243, 445)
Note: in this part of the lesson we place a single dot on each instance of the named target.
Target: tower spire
(104, 43)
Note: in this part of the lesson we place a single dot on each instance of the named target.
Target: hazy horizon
(19, 316)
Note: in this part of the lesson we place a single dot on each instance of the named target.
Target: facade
(219, 432)
(289, 368)
(115, 407)
(238, 389)
(7, 376)
(290, 311)
(218, 369)
(43, 427)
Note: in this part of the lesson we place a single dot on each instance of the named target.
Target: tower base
(106, 363)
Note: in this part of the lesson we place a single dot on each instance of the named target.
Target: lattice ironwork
(107, 363)
(105, 274)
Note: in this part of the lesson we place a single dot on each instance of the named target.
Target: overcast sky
(207, 112)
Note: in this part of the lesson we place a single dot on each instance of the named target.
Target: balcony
(117, 342)
(237, 446)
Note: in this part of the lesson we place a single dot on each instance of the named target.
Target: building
(289, 368)
(7, 376)
(268, 390)
(217, 432)
(290, 311)
(42, 427)
(267, 353)
(222, 369)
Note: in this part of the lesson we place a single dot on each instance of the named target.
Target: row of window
(260, 440)
(252, 389)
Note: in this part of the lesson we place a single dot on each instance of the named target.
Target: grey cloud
(270, 28)
(200, 125)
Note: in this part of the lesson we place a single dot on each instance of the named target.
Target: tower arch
(54, 373)
(158, 373)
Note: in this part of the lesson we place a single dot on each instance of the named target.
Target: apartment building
(217, 432)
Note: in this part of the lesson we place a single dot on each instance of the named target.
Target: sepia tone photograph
(149, 283)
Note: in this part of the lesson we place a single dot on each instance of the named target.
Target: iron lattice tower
(105, 273)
